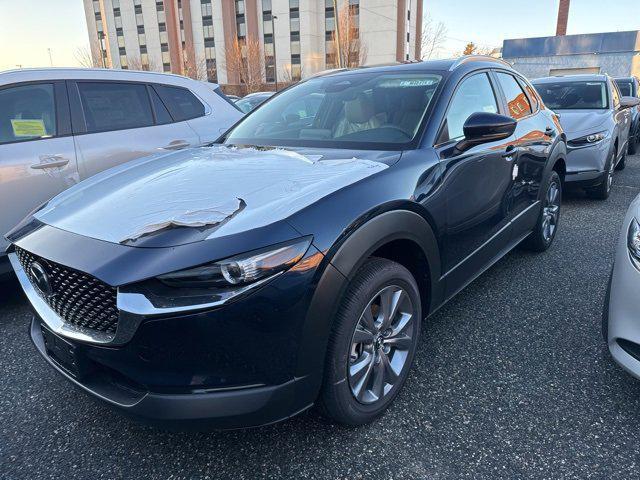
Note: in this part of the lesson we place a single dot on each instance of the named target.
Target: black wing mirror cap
(483, 127)
(629, 102)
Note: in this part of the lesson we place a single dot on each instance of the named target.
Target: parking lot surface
(512, 380)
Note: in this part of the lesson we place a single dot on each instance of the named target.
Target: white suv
(60, 126)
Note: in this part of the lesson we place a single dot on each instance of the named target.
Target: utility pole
(50, 58)
(337, 28)
(275, 59)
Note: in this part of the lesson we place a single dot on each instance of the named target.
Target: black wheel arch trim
(340, 264)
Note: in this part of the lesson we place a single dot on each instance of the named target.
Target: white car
(60, 126)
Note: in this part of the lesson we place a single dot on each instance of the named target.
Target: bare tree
(244, 61)
(193, 68)
(136, 63)
(88, 57)
(287, 77)
(434, 36)
(349, 50)
(473, 49)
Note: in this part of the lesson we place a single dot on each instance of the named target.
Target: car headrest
(359, 110)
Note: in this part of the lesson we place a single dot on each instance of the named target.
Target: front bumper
(222, 408)
(621, 315)
(230, 366)
(586, 165)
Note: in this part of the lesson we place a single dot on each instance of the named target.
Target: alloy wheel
(380, 344)
(551, 212)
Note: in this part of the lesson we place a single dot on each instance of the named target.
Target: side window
(615, 95)
(115, 106)
(182, 104)
(474, 94)
(517, 101)
(162, 114)
(531, 93)
(27, 113)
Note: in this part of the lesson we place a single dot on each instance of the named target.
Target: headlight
(589, 139)
(633, 242)
(241, 270)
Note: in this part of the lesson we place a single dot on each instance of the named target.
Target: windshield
(574, 95)
(625, 88)
(249, 103)
(360, 110)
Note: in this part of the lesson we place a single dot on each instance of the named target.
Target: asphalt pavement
(512, 380)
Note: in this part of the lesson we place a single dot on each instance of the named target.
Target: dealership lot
(512, 379)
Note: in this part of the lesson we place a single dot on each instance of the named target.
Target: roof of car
(259, 94)
(448, 64)
(65, 73)
(584, 77)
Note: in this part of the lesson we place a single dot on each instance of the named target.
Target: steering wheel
(399, 129)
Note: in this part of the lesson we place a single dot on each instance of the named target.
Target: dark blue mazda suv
(291, 263)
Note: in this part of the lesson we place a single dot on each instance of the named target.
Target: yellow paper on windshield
(28, 128)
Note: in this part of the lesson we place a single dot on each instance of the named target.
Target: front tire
(372, 344)
(633, 143)
(547, 225)
(602, 191)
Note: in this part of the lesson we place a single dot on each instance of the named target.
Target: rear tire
(370, 353)
(546, 227)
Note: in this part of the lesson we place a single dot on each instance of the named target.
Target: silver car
(60, 126)
(620, 326)
(596, 120)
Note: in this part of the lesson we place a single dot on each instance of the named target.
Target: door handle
(176, 145)
(50, 161)
(510, 153)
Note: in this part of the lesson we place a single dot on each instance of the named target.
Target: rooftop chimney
(563, 17)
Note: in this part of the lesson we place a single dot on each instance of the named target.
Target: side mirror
(482, 127)
(629, 102)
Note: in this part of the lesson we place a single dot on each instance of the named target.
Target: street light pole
(275, 59)
(336, 19)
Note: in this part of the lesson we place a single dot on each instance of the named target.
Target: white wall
(378, 22)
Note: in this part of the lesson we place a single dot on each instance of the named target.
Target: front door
(477, 184)
(37, 158)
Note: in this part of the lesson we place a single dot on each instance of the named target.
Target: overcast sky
(28, 28)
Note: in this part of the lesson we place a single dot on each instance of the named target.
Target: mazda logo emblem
(41, 279)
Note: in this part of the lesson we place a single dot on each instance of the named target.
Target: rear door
(622, 117)
(531, 148)
(37, 157)
(116, 122)
(208, 120)
(477, 185)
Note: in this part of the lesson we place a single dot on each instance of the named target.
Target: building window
(241, 26)
(166, 67)
(205, 8)
(294, 38)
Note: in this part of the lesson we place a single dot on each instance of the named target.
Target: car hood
(576, 122)
(216, 191)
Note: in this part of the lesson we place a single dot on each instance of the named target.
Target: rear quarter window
(181, 103)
